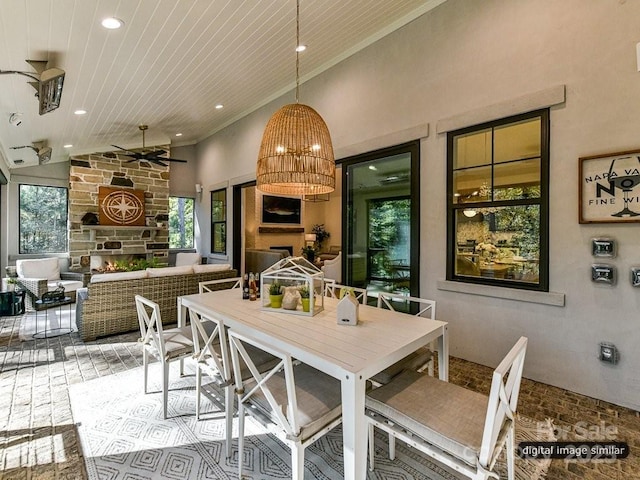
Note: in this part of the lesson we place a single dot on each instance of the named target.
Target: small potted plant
(309, 253)
(305, 295)
(275, 295)
(11, 284)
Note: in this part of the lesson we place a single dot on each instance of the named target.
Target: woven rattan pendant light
(296, 155)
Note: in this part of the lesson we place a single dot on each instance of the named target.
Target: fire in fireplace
(115, 263)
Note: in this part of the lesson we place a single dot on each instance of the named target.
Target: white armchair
(38, 276)
(333, 268)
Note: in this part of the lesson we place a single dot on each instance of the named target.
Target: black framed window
(42, 222)
(219, 221)
(181, 219)
(498, 175)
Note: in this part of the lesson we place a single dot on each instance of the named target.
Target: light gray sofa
(108, 307)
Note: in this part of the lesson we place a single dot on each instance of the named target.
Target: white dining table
(351, 354)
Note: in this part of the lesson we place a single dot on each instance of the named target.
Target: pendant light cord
(297, 52)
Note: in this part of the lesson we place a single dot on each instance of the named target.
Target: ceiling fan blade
(130, 152)
(156, 153)
(172, 159)
(156, 161)
(132, 160)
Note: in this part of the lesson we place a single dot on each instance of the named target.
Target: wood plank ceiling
(170, 65)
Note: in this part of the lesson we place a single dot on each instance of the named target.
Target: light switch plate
(603, 273)
(635, 276)
(603, 247)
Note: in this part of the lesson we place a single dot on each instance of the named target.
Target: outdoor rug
(48, 323)
(123, 436)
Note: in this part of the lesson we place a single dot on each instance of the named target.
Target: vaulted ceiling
(170, 64)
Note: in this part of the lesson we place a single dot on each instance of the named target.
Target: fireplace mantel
(93, 228)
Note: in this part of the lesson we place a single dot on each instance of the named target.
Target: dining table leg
(443, 354)
(354, 427)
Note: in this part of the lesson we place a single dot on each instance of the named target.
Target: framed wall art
(609, 188)
(281, 210)
(119, 206)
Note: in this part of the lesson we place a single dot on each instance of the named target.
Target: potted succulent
(275, 295)
(11, 284)
(305, 295)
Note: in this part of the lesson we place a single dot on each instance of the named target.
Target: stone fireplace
(88, 244)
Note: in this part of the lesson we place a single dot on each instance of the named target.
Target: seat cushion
(166, 271)
(69, 285)
(412, 361)
(318, 397)
(113, 277)
(177, 342)
(48, 268)
(211, 267)
(446, 415)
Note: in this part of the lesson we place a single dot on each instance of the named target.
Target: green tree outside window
(42, 219)
(181, 222)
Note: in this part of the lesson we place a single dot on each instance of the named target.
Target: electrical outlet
(603, 273)
(609, 353)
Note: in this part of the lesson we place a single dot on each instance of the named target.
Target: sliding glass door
(381, 226)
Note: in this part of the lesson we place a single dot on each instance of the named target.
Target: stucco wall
(467, 55)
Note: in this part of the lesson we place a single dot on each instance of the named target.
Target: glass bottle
(252, 287)
(245, 287)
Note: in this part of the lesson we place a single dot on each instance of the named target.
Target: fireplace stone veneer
(86, 174)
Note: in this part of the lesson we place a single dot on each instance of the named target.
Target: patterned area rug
(123, 436)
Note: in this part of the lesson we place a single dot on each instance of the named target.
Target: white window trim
(555, 299)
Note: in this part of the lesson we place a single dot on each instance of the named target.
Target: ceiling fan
(154, 156)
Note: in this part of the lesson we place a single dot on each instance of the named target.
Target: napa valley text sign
(610, 188)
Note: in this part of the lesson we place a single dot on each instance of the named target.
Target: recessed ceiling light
(80, 112)
(112, 23)
(178, 134)
(219, 106)
(301, 48)
(373, 167)
(68, 145)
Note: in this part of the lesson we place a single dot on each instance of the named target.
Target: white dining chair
(460, 428)
(337, 290)
(299, 404)
(423, 357)
(212, 285)
(165, 345)
(213, 361)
